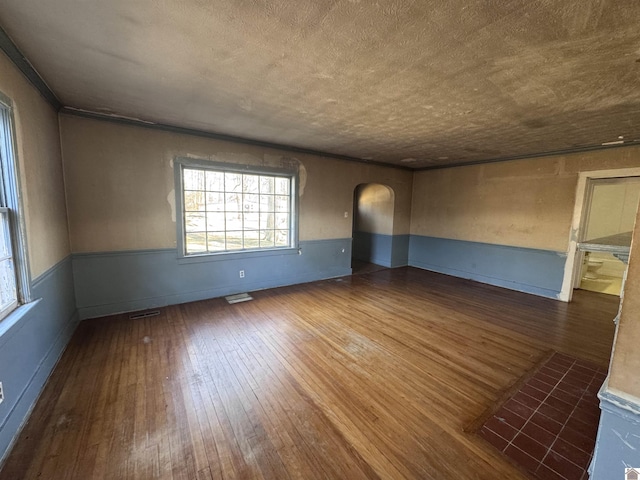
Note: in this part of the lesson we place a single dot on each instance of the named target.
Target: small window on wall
(14, 277)
(226, 210)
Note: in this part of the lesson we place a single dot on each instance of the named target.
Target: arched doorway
(373, 207)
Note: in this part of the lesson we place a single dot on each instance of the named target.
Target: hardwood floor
(358, 267)
(369, 376)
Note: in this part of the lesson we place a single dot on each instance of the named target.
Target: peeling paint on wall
(524, 203)
(623, 440)
(121, 200)
(302, 180)
(171, 198)
(236, 158)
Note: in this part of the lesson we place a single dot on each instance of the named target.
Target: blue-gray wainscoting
(529, 270)
(385, 250)
(113, 282)
(618, 441)
(31, 341)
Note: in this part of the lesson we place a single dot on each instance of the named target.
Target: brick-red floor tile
(549, 425)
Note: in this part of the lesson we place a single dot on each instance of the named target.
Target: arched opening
(373, 207)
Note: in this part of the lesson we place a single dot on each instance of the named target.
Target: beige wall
(375, 204)
(38, 150)
(525, 203)
(120, 184)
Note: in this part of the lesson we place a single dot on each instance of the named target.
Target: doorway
(610, 208)
(604, 216)
(373, 207)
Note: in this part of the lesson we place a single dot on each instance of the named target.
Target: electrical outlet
(241, 273)
(1, 393)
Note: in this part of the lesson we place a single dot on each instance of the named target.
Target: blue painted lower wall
(539, 272)
(113, 282)
(400, 251)
(31, 341)
(618, 442)
(385, 250)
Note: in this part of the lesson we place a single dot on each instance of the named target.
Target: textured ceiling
(413, 83)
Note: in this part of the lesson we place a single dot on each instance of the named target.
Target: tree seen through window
(228, 211)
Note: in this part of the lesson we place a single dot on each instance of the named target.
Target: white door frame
(571, 266)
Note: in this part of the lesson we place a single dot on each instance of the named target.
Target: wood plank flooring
(365, 377)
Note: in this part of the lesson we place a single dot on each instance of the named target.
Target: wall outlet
(1, 393)
(241, 273)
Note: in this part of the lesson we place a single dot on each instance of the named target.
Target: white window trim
(181, 163)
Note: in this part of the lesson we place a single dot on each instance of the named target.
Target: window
(227, 210)
(14, 283)
(8, 290)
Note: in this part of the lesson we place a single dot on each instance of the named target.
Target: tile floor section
(549, 426)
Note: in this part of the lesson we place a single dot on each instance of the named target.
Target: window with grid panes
(14, 277)
(229, 211)
(8, 279)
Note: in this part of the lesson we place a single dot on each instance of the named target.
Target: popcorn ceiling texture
(438, 82)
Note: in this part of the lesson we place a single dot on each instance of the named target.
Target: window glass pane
(282, 238)
(251, 239)
(193, 179)
(5, 238)
(267, 220)
(233, 202)
(233, 182)
(194, 222)
(215, 202)
(251, 203)
(282, 186)
(215, 241)
(215, 181)
(251, 183)
(194, 201)
(8, 293)
(282, 204)
(251, 221)
(267, 203)
(234, 240)
(282, 220)
(195, 242)
(267, 185)
(215, 222)
(267, 238)
(234, 221)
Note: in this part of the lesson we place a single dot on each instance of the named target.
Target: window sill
(14, 318)
(225, 256)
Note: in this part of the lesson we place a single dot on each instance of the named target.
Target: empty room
(319, 239)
